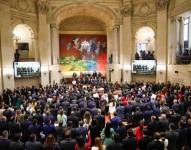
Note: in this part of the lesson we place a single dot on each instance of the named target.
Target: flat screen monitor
(26, 69)
(144, 66)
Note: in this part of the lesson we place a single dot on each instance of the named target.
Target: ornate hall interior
(126, 40)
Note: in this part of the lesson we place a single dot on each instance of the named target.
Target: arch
(23, 33)
(145, 39)
(107, 15)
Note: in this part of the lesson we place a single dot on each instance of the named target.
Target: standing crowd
(93, 114)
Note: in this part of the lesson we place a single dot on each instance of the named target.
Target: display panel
(82, 53)
(26, 69)
(144, 66)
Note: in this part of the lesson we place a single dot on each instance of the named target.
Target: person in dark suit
(116, 145)
(143, 143)
(163, 123)
(32, 144)
(67, 143)
(182, 131)
(16, 144)
(4, 141)
(172, 137)
(155, 144)
(130, 141)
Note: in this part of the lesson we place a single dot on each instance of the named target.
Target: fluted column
(189, 32)
(181, 34)
(126, 12)
(161, 74)
(55, 75)
(116, 44)
(174, 40)
(6, 47)
(44, 43)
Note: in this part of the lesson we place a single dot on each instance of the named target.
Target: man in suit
(32, 144)
(155, 144)
(130, 141)
(67, 143)
(116, 145)
(172, 137)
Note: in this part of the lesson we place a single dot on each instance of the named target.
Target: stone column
(109, 49)
(44, 43)
(55, 75)
(181, 34)
(174, 40)
(116, 73)
(189, 33)
(126, 12)
(6, 48)
(161, 74)
(116, 44)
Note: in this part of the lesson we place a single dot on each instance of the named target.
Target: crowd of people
(93, 114)
(144, 55)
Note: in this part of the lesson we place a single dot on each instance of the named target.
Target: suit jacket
(16, 146)
(172, 137)
(115, 146)
(130, 143)
(67, 144)
(155, 145)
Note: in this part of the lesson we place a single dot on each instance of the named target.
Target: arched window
(23, 37)
(145, 41)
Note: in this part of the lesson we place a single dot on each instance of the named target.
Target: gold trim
(84, 32)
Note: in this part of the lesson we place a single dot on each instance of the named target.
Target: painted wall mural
(81, 53)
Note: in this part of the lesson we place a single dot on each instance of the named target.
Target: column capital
(54, 25)
(173, 19)
(162, 4)
(126, 10)
(116, 26)
(42, 6)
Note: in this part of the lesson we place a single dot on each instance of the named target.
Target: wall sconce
(8, 73)
(161, 68)
(126, 68)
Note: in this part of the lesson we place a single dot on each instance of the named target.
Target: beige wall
(127, 15)
(179, 74)
(27, 82)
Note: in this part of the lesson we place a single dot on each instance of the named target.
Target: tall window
(186, 32)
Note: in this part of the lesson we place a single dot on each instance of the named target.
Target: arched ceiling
(82, 23)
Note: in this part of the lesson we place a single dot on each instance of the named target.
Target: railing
(183, 60)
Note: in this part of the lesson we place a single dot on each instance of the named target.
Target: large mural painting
(83, 53)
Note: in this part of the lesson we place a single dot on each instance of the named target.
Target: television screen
(144, 66)
(26, 69)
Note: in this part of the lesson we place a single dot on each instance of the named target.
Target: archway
(83, 45)
(104, 19)
(23, 39)
(145, 42)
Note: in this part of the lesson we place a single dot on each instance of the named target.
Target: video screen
(26, 69)
(144, 66)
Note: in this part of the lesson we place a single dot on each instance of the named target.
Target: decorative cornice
(43, 6)
(126, 10)
(162, 4)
